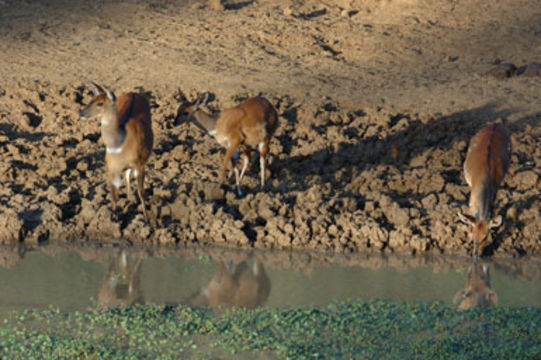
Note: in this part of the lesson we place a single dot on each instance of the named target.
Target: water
(83, 278)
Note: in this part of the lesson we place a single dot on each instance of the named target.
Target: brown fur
(246, 125)
(127, 127)
(486, 164)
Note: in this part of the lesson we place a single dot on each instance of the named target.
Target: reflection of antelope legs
(121, 285)
(477, 291)
(241, 285)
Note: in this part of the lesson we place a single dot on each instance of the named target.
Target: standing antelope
(126, 130)
(486, 164)
(242, 127)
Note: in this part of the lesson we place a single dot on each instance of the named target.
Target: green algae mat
(348, 330)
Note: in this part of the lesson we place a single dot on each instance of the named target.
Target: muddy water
(75, 279)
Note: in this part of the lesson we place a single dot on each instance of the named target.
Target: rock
(198, 6)
(265, 211)
(503, 70)
(396, 240)
(526, 179)
(429, 202)
(532, 69)
(434, 182)
(82, 166)
(332, 230)
(511, 213)
(213, 191)
(103, 225)
(216, 5)
(11, 226)
(394, 213)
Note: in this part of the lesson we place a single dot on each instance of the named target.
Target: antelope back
(133, 106)
(133, 131)
(486, 164)
(255, 119)
(488, 155)
(259, 110)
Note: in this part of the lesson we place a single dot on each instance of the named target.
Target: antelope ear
(202, 100)
(181, 97)
(495, 221)
(95, 88)
(466, 219)
(110, 95)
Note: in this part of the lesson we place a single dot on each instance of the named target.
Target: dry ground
(377, 102)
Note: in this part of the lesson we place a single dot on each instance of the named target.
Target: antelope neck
(206, 122)
(481, 200)
(113, 130)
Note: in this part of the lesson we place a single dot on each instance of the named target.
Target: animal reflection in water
(242, 285)
(477, 291)
(121, 285)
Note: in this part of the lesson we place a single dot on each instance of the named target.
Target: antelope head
(188, 110)
(480, 230)
(102, 102)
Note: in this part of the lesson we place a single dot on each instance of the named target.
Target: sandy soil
(377, 103)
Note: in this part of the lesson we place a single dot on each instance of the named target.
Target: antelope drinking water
(486, 164)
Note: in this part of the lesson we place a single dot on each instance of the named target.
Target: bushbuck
(126, 131)
(486, 164)
(240, 128)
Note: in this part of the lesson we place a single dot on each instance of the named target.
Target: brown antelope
(477, 291)
(242, 286)
(121, 285)
(486, 164)
(126, 130)
(242, 127)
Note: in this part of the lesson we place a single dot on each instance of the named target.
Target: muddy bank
(342, 179)
(368, 154)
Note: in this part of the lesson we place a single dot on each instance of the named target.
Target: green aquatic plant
(347, 330)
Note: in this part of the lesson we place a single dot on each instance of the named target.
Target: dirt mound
(377, 103)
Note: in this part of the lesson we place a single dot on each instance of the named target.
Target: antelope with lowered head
(486, 164)
(126, 131)
(249, 124)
